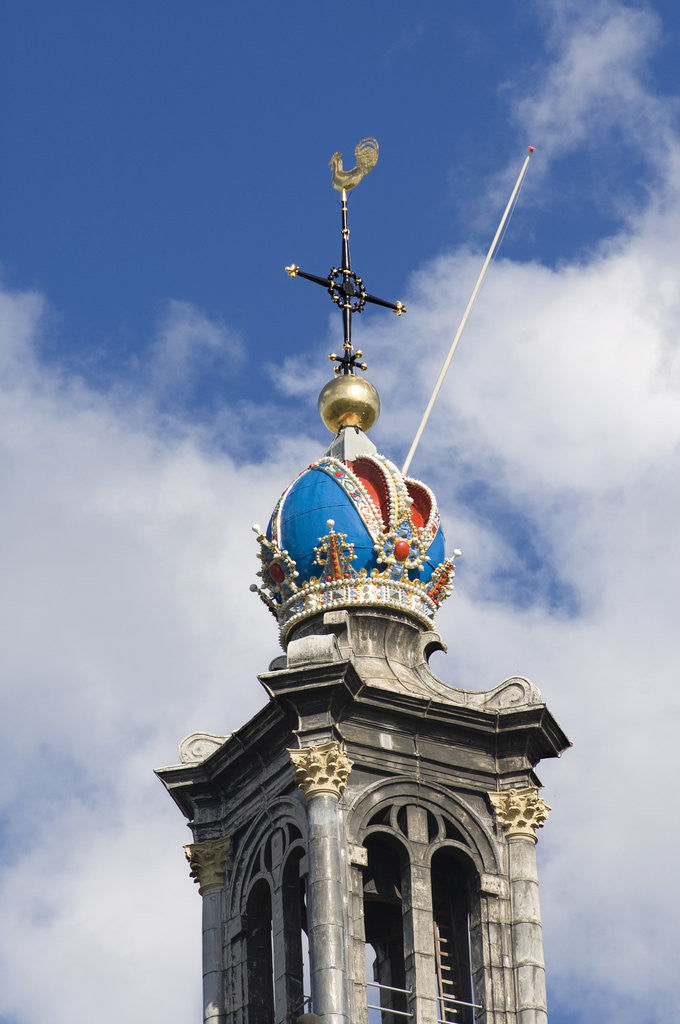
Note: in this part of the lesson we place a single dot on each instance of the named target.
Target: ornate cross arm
(397, 306)
(347, 291)
(344, 290)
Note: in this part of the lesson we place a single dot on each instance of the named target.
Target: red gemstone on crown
(401, 550)
(276, 572)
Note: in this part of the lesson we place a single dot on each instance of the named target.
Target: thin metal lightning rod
(447, 362)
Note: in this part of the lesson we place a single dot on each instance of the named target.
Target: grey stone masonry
(417, 912)
(213, 967)
(527, 940)
(382, 828)
(207, 862)
(325, 910)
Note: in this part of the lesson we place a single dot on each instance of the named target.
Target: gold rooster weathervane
(366, 153)
(346, 288)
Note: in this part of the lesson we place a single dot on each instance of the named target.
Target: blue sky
(169, 154)
(158, 379)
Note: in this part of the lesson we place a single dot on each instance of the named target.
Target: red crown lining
(373, 480)
(421, 508)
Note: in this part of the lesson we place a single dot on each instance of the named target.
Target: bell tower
(364, 846)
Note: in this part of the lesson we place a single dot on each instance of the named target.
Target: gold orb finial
(349, 401)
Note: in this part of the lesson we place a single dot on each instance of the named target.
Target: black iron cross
(347, 291)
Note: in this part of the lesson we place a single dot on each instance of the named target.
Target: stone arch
(284, 812)
(437, 827)
(455, 898)
(473, 838)
(293, 945)
(385, 877)
(259, 962)
(270, 845)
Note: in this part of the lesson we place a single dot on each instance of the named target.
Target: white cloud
(126, 564)
(189, 343)
(588, 104)
(595, 81)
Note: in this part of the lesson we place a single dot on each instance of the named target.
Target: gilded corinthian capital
(322, 769)
(520, 811)
(207, 861)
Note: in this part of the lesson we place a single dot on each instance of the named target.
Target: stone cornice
(207, 861)
(322, 769)
(520, 811)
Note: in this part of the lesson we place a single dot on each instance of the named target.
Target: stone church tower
(364, 846)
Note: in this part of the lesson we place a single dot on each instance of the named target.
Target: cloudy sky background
(158, 379)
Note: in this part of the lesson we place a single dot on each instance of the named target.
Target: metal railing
(409, 992)
(388, 1009)
(460, 1002)
(307, 1001)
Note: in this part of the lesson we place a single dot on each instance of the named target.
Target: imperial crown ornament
(351, 530)
(383, 546)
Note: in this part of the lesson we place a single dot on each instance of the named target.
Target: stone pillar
(208, 862)
(357, 857)
(521, 812)
(418, 927)
(321, 772)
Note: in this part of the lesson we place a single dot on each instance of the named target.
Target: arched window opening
(374, 1013)
(384, 932)
(450, 909)
(306, 973)
(259, 954)
(296, 945)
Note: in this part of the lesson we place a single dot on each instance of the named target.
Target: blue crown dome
(314, 498)
(372, 507)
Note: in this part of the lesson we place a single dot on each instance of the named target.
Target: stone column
(521, 812)
(418, 930)
(208, 862)
(321, 772)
